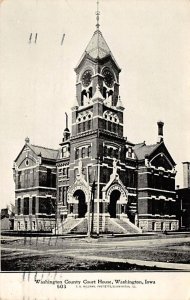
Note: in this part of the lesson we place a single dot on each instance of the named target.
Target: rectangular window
(33, 225)
(64, 151)
(153, 206)
(64, 171)
(18, 225)
(162, 226)
(19, 179)
(67, 172)
(170, 226)
(89, 124)
(114, 127)
(33, 205)
(130, 152)
(26, 206)
(77, 153)
(79, 128)
(153, 226)
(84, 126)
(26, 225)
(89, 150)
(90, 174)
(65, 195)
(49, 177)
(75, 173)
(26, 178)
(19, 206)
(60, 194)
(83, 152)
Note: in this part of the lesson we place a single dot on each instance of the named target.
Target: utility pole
(98, 198)
(89, 202)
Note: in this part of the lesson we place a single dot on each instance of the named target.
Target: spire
(97, 15)
(120, 104)
(97, 94)
(66, 117)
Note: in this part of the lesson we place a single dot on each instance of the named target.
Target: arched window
(84, 93)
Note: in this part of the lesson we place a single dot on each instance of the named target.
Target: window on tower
(83, 152)
(77, 153)
(84, 121)
(89, 150)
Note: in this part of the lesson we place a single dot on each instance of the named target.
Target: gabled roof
(97, 48)
(141, 150)
(39, 150)
(44, 152)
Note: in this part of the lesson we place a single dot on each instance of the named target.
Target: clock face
(87, 78)
(108, 78)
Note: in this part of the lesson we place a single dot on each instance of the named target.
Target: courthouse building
(101, 176)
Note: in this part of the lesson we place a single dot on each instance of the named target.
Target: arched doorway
(115, 195)
(82, 206)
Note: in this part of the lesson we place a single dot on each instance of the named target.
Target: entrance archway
(82, 206)
(115, 195)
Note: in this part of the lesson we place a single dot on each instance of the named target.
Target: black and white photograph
(95, 145)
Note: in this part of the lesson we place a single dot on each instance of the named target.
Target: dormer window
(130, 152)
(64, 151)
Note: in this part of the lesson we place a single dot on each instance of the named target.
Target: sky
(151, 43)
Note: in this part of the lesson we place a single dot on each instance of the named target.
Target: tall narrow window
(130, 152)
(60, 194)
(49, 177)
(33, 205)
(26, 225)
(77, 153)
(105, 151)
(89, 124)
(89, 151)
(79, 127)
(19, 180)
(90, 174)
(64, 171)
(75, 173)
(153, 206)
(153, 226)
(26, 206)
(83, 152)
(18, 206)
(18, 225)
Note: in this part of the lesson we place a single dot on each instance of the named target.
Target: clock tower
(97, 145)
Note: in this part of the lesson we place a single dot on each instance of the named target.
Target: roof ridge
(44, 147)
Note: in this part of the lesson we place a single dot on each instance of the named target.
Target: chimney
(186, 175)
(160, 131)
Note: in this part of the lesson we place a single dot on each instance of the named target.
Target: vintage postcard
(95, 139)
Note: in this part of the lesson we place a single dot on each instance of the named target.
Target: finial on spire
(27, 140)
(66, 115)
(97, 15)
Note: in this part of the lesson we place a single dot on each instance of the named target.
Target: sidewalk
(161, 265)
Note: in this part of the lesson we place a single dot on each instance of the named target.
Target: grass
(39, 257)
(53, 263)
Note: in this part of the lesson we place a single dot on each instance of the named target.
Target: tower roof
(97, 49)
